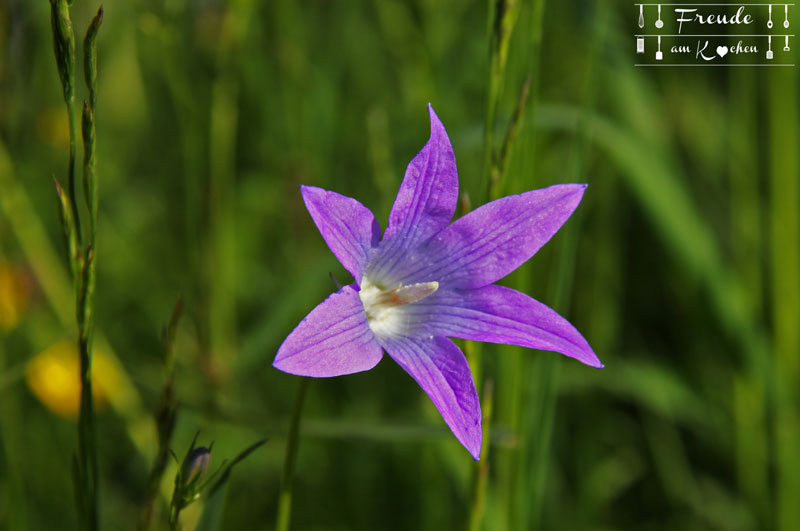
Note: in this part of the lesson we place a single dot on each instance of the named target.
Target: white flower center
(385, 307)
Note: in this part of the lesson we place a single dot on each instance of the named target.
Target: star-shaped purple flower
(428, 280)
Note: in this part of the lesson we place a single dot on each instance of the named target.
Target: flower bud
(195, 465)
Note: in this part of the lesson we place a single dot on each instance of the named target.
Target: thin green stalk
(88, 123)
(85, 469)
(546, 371)
(165, 418)
(478, 506)
(541, 408)
(64, 48)
(224, 117)
(86, 419)
(749, 388)
(73, 132)
(784, 220)
(513, 365)
(87, 440)
(503, 15)
(292, 443)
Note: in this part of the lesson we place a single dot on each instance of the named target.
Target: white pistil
(384, 307)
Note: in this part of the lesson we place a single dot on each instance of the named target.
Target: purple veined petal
(348, 227)
(497, 314)
(495, 239)
(427, 198)
(332, 340)
(441, 369)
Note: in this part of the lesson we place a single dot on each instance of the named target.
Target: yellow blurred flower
(53, 377)
(52, 126)
(14, 294)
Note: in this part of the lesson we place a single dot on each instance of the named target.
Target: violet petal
(332, 340)
(493, 240)
(428, 196)
(348, 227)
(441, 369)
(499, 315)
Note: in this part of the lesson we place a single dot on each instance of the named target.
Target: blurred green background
(681, 266)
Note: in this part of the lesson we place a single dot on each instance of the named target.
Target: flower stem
(285, 495)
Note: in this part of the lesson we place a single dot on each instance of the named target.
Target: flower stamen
(383, 307)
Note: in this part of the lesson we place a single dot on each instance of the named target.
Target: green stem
(73, 133)
(87, 439)
(174, 513)
(481, 481)
(503, 15)
(784, 222)
(165, 419)
(292, 442)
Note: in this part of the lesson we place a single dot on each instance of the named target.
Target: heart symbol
(722, 50)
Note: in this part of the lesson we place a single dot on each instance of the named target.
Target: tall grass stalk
(784, 221)
(82, 260)
(749, 387)
(537, 428)
(502, 17)
(165, 418)
(482, 475)
(222, 251)
(513, 364)
(292, 444)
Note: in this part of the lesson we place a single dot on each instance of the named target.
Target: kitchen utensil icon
(786, 48)
(769, 22)
(659, 55)
(641, 15)
(786, 16)
(640, 45)
(769, 47)
(659, 22)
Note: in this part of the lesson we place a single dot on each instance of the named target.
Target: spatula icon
(769, 47)
(659, 55)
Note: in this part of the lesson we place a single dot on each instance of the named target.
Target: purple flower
(427, 280)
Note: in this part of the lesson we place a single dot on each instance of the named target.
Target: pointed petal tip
(436, 123)
(573, 192)
(475, 452)
(576, 187)
(592, 361)
(277, 363)
(282, 362)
